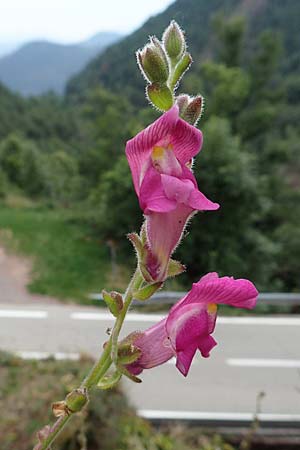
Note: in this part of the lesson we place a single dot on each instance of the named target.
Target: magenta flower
(166, 187)
(191, 322)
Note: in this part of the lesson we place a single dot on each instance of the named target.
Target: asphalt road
(254, 355)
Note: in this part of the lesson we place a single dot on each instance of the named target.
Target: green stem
(134, 284)
(110, 353)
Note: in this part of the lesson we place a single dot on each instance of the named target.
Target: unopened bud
(193, 111)
(114, 302)
(76, 400)
(182, 102)
(173, 40)
(153, 62)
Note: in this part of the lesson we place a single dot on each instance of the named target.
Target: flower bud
(182, 101)
(153, 62)
(193, 111)
(76, 400)
(114, 302)
(173, 40)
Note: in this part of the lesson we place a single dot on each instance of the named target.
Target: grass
(67, 260)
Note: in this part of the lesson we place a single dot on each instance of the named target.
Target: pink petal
(184, 359)
(177, 189)
(206, 344)
(185, 325)
(164, 231)
(197, 200)
(240, 293)
(138, 149)
(186, 140)
(155, 348)
(152, 195)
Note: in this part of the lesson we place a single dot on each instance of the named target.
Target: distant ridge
(41, 66)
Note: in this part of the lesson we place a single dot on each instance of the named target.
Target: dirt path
(14, 277)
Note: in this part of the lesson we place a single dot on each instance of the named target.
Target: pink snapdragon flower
(159, 159)
(190, 323)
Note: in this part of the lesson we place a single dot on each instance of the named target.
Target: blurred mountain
(116, 67)
(41, 66)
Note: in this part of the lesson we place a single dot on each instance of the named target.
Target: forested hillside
(246, 60)
(116, 68)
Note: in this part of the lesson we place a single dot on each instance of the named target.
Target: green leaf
(160, 96)
(147, 291)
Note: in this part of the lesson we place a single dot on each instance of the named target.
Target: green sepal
(136, 242)
(175, 268)
(180, 68)
(160, 96)
(129, 375)
(147, 291)
(128, 353)
(114, 301)
(109, 381)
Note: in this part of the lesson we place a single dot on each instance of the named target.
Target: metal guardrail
(170, 297)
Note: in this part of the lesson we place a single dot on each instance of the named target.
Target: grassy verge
(68, 262)
(108, 423)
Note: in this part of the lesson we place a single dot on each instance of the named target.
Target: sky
(71, 20)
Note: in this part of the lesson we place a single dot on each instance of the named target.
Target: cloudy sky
(71, 20)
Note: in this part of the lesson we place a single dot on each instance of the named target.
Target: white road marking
(136, 317)
(275, 363)
(131, 317)
(224, 416)
(45, 355)
(22, 314)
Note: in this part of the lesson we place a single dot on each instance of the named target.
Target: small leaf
(194, 110)
(109, 381)
(160, 96)
(175, 268)
(147, 291)
(113, 301)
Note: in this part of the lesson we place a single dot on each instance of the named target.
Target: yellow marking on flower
(158, 152)
(212, 308)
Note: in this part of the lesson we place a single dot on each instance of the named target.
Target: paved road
(253, 355)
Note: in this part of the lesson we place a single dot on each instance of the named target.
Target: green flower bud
(173, 40)
(76, 400)
(153, 62)
(114, 302)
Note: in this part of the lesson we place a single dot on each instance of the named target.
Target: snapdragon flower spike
(190, 323)
(166, 187)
